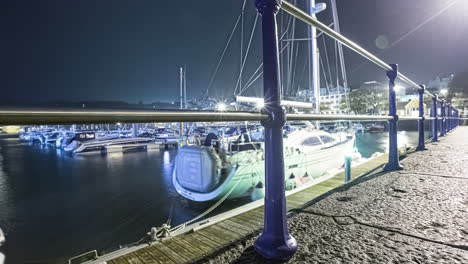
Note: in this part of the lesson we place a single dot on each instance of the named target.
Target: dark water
(53, 205)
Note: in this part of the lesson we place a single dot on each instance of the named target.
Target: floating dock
(218, 232)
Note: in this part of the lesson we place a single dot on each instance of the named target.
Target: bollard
(393, 160)
(442, 118)
(421, 143)
(347, 168)
(435, 122)
(275, 242)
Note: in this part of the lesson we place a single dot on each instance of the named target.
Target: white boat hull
(245, 179)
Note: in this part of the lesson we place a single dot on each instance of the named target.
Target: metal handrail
(299, 14)
(406, 118)
(57, 117)
(52, 116)
(319, 117)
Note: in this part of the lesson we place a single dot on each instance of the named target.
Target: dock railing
(275, 241)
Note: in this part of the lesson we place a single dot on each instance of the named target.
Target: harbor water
(54, 205)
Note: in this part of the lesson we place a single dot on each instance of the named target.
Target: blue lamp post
(435, 122)
(421, 145)
(275, 241)
(447, 123)
(393, 160)
(442, 120)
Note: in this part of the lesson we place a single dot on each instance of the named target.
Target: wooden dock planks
(195, 245)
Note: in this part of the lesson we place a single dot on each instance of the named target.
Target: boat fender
(258, 192)
(291, 182)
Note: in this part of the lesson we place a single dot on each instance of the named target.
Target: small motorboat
(375, 128)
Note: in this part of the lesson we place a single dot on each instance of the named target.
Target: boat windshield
(311, 141)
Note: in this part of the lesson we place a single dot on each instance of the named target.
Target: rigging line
(327, 59)
(407, 34)
(252, 80)
(222, 55)
(247, 51)
(209, 210)
(290, 56)
(294, 66)
(260, 66)
(253, 77)
(284, 57)
(302, 75)
(324, 74)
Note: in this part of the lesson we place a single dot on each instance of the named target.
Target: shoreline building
(330, 99)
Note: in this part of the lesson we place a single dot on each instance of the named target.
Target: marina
(256, 143)
(214, 234)
(119, 197)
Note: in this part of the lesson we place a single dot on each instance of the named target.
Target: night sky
(53, 50)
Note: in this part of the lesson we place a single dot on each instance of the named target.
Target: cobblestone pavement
(418, 215)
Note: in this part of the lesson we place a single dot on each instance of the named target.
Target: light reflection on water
(56, 205)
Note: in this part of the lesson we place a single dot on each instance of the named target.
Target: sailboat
(233, 167)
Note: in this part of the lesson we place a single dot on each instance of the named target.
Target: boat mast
(181, 84)
(314, 62)
(336, 27)
(185, 87)
(241, 44)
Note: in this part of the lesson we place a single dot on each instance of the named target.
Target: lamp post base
(274, 247)
(392, 167)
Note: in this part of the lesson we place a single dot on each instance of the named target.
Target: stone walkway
(418, 215)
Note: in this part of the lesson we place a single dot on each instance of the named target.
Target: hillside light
(443, 91)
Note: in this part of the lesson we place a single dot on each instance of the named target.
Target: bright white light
(319, 7)
(260, 104)
(221, 107)
(397, 88)
(444, 91)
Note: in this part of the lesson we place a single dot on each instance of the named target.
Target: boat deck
(192, 246)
